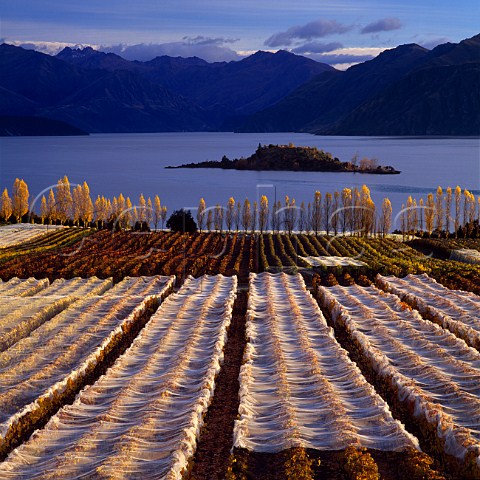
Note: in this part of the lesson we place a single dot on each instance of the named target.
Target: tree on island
(181, 221)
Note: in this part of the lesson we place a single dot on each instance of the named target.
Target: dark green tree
(181, 221)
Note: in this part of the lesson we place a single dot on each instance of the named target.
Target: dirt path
(211, 458)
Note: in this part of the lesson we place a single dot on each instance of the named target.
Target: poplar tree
(43, 209)
(218, 218)
(346, 209)
(439, 209)
(458, 197)
(327, 211)
(63, 200)
(6, 208)
(52, 207)
(336, 214)
(76, 204)
(238, 216)
(230, 213)
(129, 214)
(157, 211)
(429, 213)
(254, 217)
(19, 199)
(164, 215)
(201, 214)
(302, 218)
(149, 212)
(316, 216)
(246, 215)
(263, 214)
(448, 209)
(386, 217)
(142, 217)
(209, 221)
(87, 205)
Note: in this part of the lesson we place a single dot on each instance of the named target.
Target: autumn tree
(316, 215)
(429, 213)
(421, 205)
(43, 209)
(346, 209)
(386, 217)
(218, 218)
(238, 216)
(86, 205)
(142, 209)
(130, 214)
(263, 214)
(254, 216)
(157, 211)
(439, 209)
(6, 208)
(19, 199)
(63, 200)
(52, 207)
(149, 212)
(327, 212)
(448, 209)
(246, 215)
(164, 215)
(230, 214)
(302, 218)
(458, 198)
(201, 214)
(336, 213)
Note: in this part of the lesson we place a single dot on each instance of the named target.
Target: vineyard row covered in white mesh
(298, 386)
(20, 315)
(466, 255)
(455, 310)
(143, 417)
(425, 367)
(66, 347)
(324, 261)
(11, 235)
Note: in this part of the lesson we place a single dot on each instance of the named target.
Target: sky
(337, 32)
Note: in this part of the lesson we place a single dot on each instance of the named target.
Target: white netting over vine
(17, 287)
(434, 372)
(142, 418)
(62, 347)
(456, 310)
(22, 232)
(298, 387)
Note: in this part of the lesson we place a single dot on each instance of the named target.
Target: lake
(134, 164)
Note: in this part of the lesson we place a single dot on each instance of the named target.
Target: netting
(332, 261)
(62, 348)
(298, 387)
(23, 288)
(142, 418)
(436, 374)
(456, 310)
(14, 234)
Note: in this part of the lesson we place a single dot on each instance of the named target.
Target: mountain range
(407, 90)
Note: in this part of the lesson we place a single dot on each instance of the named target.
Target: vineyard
(207, 356)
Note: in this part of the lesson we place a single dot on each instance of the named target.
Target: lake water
(134, 164)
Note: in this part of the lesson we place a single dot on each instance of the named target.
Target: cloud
(207, 49)
(309, 31)
(317, 47)
(382, 25)
(201, 40)
(429, 44)
(50, 48)
(344, 58)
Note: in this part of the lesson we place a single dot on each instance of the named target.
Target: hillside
(370, 98)
(35, 126)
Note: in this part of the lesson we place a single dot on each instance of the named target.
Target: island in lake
(294, 159)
